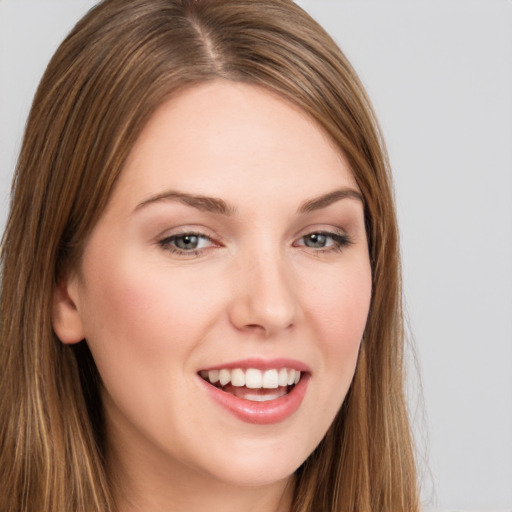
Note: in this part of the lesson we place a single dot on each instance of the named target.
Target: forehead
(225, 133)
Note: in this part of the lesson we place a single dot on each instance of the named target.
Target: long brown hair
(120, 62)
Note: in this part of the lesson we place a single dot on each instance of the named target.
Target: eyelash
(340, 241)
(166, 243)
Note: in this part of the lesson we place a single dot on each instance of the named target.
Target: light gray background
(440, 76)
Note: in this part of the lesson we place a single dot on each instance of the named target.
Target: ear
(66, 319)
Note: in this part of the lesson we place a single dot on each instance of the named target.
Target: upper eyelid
(333, 230)
(185, 230)
(184, 233)
(208, 233)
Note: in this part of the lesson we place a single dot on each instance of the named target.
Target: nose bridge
(265, 297)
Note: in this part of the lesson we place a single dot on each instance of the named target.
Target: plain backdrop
(440, 75)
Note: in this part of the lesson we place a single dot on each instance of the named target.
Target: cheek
(339, 313)
(341, 301)
(142, 323)
(129, 306)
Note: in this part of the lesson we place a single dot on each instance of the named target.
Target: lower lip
(261, 413)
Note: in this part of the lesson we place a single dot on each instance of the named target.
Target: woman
(201, 295)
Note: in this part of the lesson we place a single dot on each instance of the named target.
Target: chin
(240, 474)
(260, 462)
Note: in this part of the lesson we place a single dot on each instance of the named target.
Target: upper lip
(261, 364)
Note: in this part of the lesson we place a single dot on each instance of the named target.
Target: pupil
(187, 242)
(316, 240)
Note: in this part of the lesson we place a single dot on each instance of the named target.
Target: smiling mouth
(253, 384)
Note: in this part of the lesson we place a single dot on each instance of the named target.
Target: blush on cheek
(151, 310)
(343, 323)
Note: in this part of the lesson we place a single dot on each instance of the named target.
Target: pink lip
(262, 364)
(261, 413)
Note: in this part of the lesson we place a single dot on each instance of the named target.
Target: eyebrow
(203, 203)
(221, 207)
(317, 203)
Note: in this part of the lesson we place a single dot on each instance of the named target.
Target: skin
(256, 287)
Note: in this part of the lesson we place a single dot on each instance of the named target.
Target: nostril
(254, 327)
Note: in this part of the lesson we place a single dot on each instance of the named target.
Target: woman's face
(233, 248)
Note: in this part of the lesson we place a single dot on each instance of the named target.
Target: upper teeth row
(253, 378)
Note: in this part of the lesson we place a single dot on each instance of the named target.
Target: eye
(324, 241)
(184, 243)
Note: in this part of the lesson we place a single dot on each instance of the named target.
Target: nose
(265, 296)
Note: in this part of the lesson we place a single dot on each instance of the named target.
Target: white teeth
(271, 379)
(283, 377)
(261, 398)
(254, 396)
(224, 377)
(213, 376)
(253, 378)
(238, 377)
